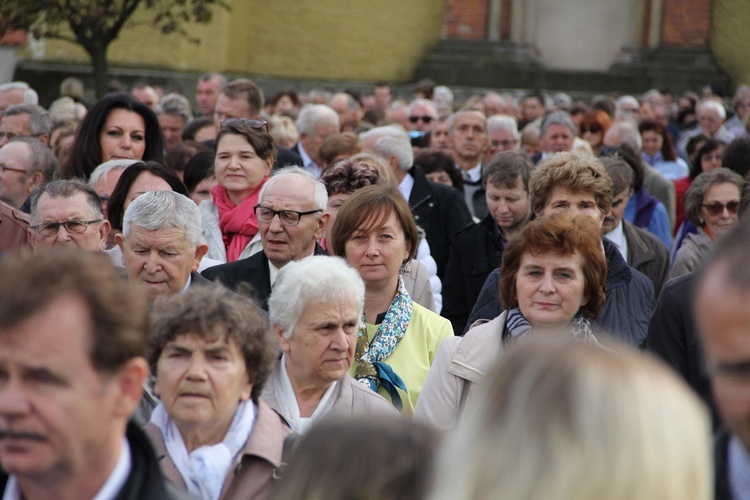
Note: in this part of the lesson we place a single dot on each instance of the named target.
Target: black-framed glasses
(250, 122)
(286, 217)
(717, 208)
(594, 129)
(3, 168)
(74, 226)
(426, 119)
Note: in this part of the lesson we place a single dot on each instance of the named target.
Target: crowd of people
(346, 294)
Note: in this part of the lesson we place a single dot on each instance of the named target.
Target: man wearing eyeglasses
(468, 133)
(292, 215)
(422, 115)
(68, 213)
(25, 164)
(25, 120)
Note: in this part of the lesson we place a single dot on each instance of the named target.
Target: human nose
(275, 225)
(13, 401)
(339, 340)
(62, 235)
(546, 285)
(152, 264)
(373, 249)
(196, 368)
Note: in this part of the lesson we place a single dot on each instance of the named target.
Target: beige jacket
(253, 474)
(460, 365)
(351, 398)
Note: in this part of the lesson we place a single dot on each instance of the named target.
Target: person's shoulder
(648, 238)
(230, 269)
(369, 399)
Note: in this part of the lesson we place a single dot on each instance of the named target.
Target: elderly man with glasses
(25, 120)
(68, 213)
(292, 215)
(25, 164)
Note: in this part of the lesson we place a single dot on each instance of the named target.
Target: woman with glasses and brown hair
(711, 204)
(243, 161)
(593, 127)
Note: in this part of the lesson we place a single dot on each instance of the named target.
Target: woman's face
(712, 159)
(652, 142)
(378, 252)
(441, 177)
(144, 183)
(550, 289)
(123, 136)
(334, 204)
(201, 383)
(284, 104)
(717, 217)
(593, 134)
(238, 167)
(203, 190)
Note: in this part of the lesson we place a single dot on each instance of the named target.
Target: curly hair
(347, 176)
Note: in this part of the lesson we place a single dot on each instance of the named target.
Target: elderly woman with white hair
(315, 309)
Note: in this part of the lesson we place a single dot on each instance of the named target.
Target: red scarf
(237, 222)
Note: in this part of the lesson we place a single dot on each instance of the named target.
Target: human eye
(75, 226)
(586, 205)
(534, 273)
(138, 137)
(167, 253)
(114, 132)
(289, 216)
(43, 376)
(563, 275)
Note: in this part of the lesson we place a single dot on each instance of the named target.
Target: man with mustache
(73, 339)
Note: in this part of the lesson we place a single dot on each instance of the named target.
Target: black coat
(475, 253)
(647, 253)
(627, 307)
(252, 271)
(441, 211)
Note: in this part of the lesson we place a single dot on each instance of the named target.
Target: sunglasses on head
(250, 122)
(591, 128)
(718, 208)
(426, 119)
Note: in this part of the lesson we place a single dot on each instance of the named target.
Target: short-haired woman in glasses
(711, 204)
(244, 157)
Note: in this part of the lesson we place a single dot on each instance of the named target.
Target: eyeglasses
(594, 129)
(718, 208)
(426, 119)
(3, 168)
(286, 217)
(10, 135)
(250, 122)
(72, 226)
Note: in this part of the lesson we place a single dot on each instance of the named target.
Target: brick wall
(465, 19)
(686, 23)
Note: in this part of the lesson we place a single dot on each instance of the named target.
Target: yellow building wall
(316, 39)
(730, 38)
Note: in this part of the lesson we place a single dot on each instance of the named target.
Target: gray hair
(316, 278)
(693, 199)
(208, 76)
(422, 102)
(164, 209)
(29, 95)
(41, 158)
(320, 194)
(502, 122)
(558, 118)
(628, 134)
(66, 188)
(102, 171)
(40, 122)
(177, 105)
(314, 114)
(398, 146)
(712, 105)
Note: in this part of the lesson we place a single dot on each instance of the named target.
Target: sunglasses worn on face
(718, 208)
(590, 128)
(250, 122)
(426, 119)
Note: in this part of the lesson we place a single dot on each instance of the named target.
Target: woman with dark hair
(199, 177)
(440, 167)
(285, 102)
(116, 127)
(659, 151)
(244, 158)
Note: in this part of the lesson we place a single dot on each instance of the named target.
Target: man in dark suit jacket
(160, 242)
(291, 218)
(722, 311)
(438, 209)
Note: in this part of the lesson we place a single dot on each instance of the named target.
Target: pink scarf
(237, 222)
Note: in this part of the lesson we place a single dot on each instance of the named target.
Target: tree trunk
(98, 53)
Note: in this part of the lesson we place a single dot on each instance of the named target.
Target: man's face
(14, 126)
(382, 96)
(206, 94)
(509, 206)
(147, 95)
(710, 121)
(723, 318)
(557, 138)
(230, 108)
(493, 105)
(58, 415)
(441, 139)
(619, 202)
(160, 260)
(469, 135)
(172, 127)
(15, 185)
(106, 185)
(321, 347)
(312, 143)
(422, 118)
(349, 119)
(281, 243)
(76, 208)
(501, 140)
(532, 109)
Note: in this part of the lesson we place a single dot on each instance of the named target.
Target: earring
(405, 267)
